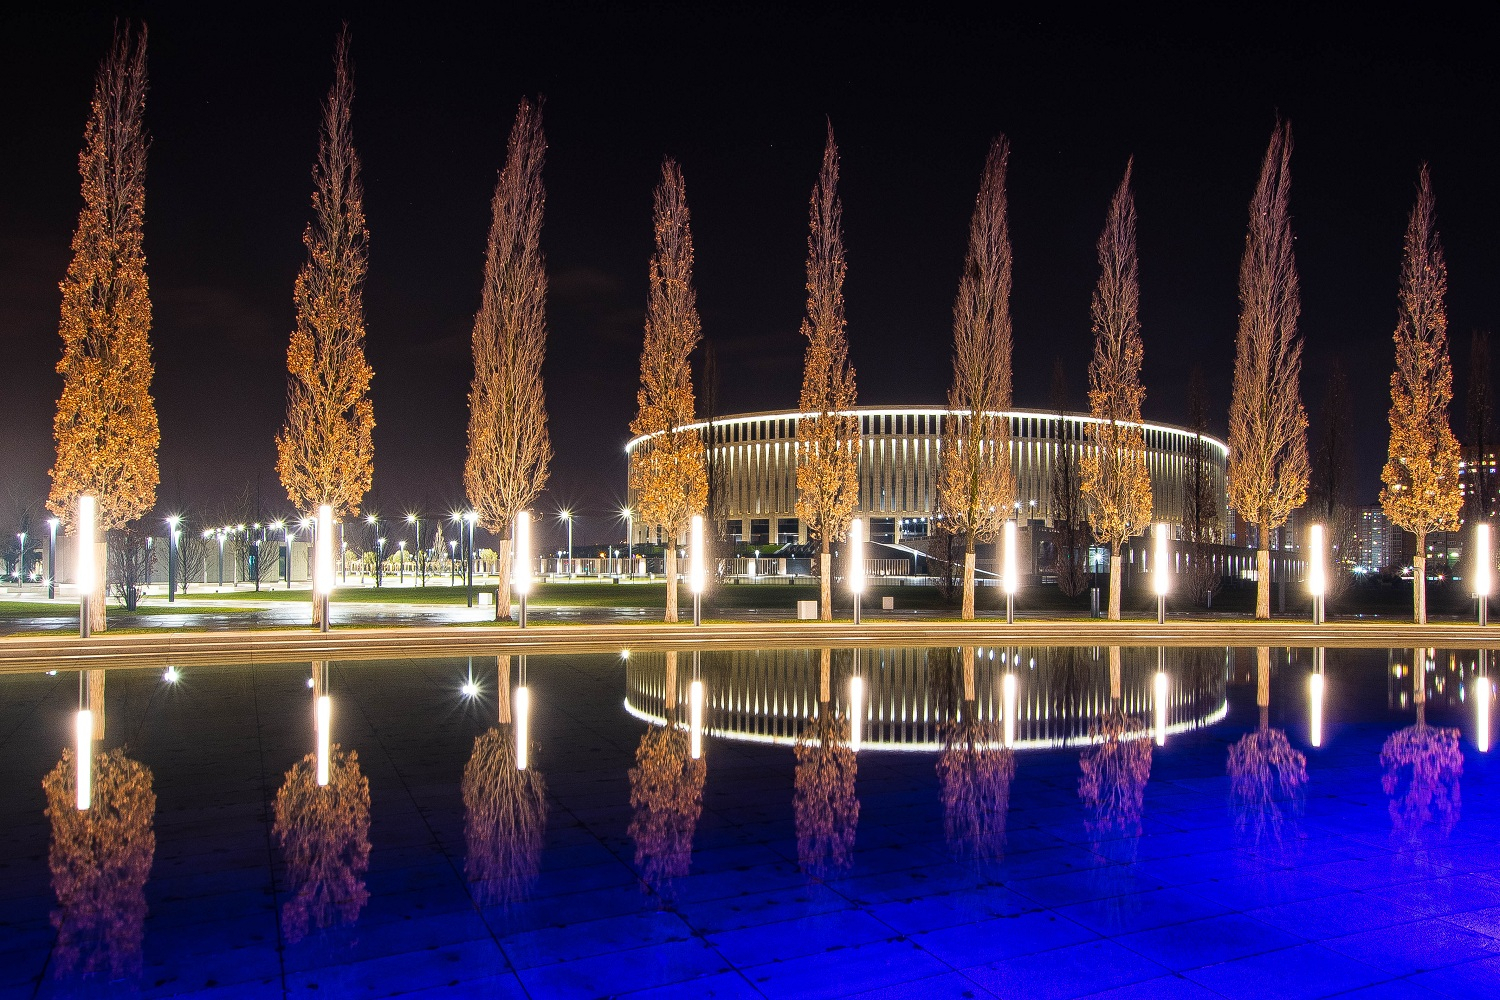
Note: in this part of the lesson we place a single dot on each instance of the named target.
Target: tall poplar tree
(667, 471)
(105, 428)
(1268, 467)
(1421, 492)
(325, 452)
(976, 485)
(509, 449)
(827, 430)
(1116, 482)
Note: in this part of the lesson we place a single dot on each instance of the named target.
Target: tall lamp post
(222, 532)
(373, 520)
(21, 559)
(416, 522)
(323, 563)
(1159, 574)
(52, 524)
(401, 573)
(1010, 577)
(1317, 578)
(520, 572)
(86, 568)
(379, 561)
(629, 516)
(567, 516)
(697, 574)
(469, 519)
(452, 562)
(856, 564)
(1482, 571)
(172, 523)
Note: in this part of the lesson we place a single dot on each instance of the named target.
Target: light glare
(520, 574)
(1008, 703)
(1483, 581)
(697, 575)
(325, 718)
(856, 712)
(695, 719)
(85, 533)
(1315, 686)
(1317, 582)
(523, 725)
(1161, 578)
(1160, 685)
(857, 555)
(324, 552)
(83, 731)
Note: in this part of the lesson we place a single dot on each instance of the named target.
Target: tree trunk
(1263, 578)
(96, 599)
(1116, 566)
(502, 664)
(96, 701)
(968, 611)
(1115, 680)
(669, 555)
(1419, 582)
(502, 585)
(669, 693)
(317, 606)
(825, 584)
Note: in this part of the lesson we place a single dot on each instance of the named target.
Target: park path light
(52, 524)
(86, 570)
(856, 563)
(174, 522)
(323, 563)
(697, 571)
(566, 516)
(1317, 574)
(1161, 577)
(21, 562)
(1316, 690)
(471, 517)
(418, 552)
(401, 573)
(1010, 576)
(1483, 573)
(520, 564)
(629, 515)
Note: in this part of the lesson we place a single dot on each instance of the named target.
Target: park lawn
(36, 609)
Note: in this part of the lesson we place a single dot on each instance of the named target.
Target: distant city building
(1377, 542)
(1473, 470)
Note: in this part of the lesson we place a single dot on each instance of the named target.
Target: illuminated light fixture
(323, 563)
(86, 569)
(1482, 698)
(172, 676)
(624, 654)
(523, 725)
(1008, 707)
(469, 689)
(697, 574)
(1483, 581)
(325, 719)
(856, 568)
(856, 712)
(1317, 577)
(520, 566)
(695, 719)
(1160, 578)
(1160, 704)
(1010, 577)
(83, 756)
(1315, 688)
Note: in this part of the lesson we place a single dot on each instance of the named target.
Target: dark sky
(740, 100)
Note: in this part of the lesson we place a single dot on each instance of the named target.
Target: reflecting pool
(982, 822)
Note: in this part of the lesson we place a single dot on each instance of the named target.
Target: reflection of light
(695, 718)
(172, 676)
(523, 725)
(85, 532)
(1008, 695)
(1161, 579)
(325, 712)
(1315, 691)
(697, 576)
(1161, 708)
(856, 712)
(1482, 558)
(323, 554)
(520, 575)
(1010, 578)
(1317, 583)
(84, 755)
(1482, 695)
(857, 555)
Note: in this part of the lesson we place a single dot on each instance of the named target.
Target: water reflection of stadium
(768, 696)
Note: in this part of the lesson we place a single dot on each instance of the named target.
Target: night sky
(740, 100)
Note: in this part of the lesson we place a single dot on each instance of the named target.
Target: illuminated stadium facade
(898, 469)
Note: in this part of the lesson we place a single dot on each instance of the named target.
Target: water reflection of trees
(974, 776)
(1115, 772)
(100, 859)
(505, 818)
(666, 796)
(324, 833)
(1423, 765)
(824, 805)
(1266, 776)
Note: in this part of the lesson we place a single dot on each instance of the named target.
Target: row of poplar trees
(107, 434)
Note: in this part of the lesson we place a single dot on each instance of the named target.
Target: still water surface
(1012, 822)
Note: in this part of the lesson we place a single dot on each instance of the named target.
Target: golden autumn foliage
(1268, 469)
(668, 477)
(325, 452)
(105, 427)
(100, 859)
(1421, 492)
(827, 432)
(666, 799)
(1116, 483)
(509, 448)
(976, 485)
(505, 817)
(324, 833)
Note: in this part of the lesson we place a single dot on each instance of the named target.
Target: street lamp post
(379, 561)
(452, 562)
(172, 523)
(629, 537)
(567, 515)
(220, 587)
(1317, 580)
(323, 563)
(21, 558)
(856, 565)
(1482, 572)
(1009, 575)
(401, 573)
(84, 531)
(52, 523)
(1160, 576)
(416, 522)
(520, 576)
(469, 520)
(697, 574)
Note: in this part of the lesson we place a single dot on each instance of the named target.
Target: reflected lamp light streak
(1483, 695)
(1008, 708)
(695, 719)
(856, 712)
(1159, 686)
(83, 732)
(1315, 690)
(523, 726)
(325, 719)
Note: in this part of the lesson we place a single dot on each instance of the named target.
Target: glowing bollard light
(695, 719)
(1315, 688)
(1008, 708)
(520, 566)
(697, 572)
(856, 712)
(86, 570)
(1482, 572)
(323, 563)
(523, 725)
(1317, 577)
(83, 756)
(1161, 580)
(1160, 686)
(325, 720)
(1010, 577)
(857, 562)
